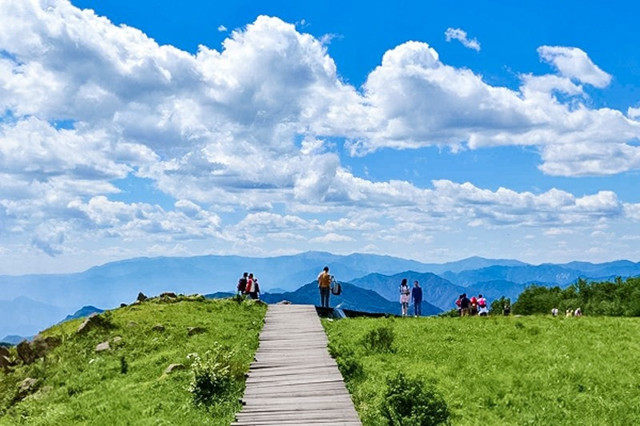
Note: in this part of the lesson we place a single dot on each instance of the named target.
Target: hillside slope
(126, 384)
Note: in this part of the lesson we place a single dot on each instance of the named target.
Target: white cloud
(633, 113)
(217, 136)
(222, 29)
(461, 36)
(331, 238)
(574, 63)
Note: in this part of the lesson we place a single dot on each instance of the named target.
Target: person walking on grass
(465, 305)
(324, 284)
(242, 283)
(255, 289)
(405, 294)
(416, 296)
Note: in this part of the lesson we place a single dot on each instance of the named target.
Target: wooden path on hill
(293, 380)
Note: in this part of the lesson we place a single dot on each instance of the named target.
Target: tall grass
(503, 370)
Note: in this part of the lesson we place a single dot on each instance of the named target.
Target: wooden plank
(293, 380)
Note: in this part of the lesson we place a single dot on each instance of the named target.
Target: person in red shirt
(474, 305)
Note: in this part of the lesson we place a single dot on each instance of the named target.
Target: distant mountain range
(83, 312)
(33, 302)
(352, 297)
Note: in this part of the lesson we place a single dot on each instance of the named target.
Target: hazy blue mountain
(547, 273)
(435, 290)
(83, 312)
(25, 317)
(13, 339)
(116, 282)
(474, 262)
(352, 297)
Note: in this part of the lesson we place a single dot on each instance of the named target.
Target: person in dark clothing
(242, 283)
(465, 305)
(416, 296)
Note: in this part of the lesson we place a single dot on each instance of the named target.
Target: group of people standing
(410, 295)
(472, 306)
(248, 286)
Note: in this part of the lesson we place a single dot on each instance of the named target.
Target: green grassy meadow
(79, 386)
(503, 370)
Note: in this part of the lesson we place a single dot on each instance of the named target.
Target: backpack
(242, 285)
(336, 289)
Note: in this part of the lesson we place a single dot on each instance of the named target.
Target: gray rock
(26, 387)
(5, 362)
(104, 346)
(117, 339)
(132, 324)
(25, 352)
(42, 345)
(158, 327)
(174, 367)
(195, 330)
(141, 297)
(91, 322)
(169, 294)
(123, 305)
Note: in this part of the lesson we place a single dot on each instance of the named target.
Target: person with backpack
(255, 289)
(458, 307)
(483, 309)
(404, 297)
(242, 283)
(474, 305)
(249, 288)
(324, 285)
(465, 305)
(416, 296)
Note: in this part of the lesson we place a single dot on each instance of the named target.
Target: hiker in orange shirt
(324, 284)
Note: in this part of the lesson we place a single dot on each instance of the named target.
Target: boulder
(195, 330)
(25, 352)
(104, 346)
(158, 327)
(89, 323)
(4, 351)
(123, 305)
(42, 345)
(169, 294)
(5, 362)
(116, 339)
(26, 387)
(141, 297)
(132, 324)
(174, 367)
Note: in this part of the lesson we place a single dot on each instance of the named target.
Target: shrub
(497, 305)
(348, 364)
(453, 313)
(379, 339)
(412, 402)
(124, 365)
(211, 378)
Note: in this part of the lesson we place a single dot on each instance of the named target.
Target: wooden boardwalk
(293, 380)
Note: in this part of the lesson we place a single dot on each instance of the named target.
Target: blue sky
(288, 131)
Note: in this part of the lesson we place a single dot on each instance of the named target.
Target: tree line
(617, 298)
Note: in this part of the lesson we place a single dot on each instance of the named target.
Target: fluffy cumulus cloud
(574, 63)
(243, 139)
(461, 36)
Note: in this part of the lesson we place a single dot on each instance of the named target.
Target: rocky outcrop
(195, 330)
(91, 322)
(4, 351)
(104, 346)
(27, 387)
(169, 294)
(25, 352)
(5, 362)
(141, 297)
(41, 345)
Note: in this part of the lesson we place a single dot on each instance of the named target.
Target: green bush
(379, 339)
(212, 378)
(412, 402)
(497, 305)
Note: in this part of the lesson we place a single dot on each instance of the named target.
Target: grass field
(497, 370)
(78, 385)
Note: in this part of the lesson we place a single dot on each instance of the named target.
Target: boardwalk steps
(293, 380)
